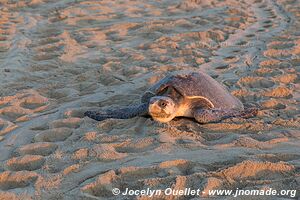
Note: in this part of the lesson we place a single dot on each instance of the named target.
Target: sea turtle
(185, 93)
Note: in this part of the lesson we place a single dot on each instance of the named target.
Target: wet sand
(61, 58)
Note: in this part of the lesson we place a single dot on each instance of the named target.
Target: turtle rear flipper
(204, 116)
(121, 113)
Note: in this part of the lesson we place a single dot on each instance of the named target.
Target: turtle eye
(162, 104)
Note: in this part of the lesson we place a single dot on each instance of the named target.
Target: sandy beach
(61, 58)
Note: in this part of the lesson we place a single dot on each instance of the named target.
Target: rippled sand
(60, 58)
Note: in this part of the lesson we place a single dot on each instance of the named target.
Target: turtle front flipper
(122, 113)
(204, 116)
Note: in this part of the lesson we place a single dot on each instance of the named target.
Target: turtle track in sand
(49, 151)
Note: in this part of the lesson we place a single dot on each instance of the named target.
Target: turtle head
(162, 108)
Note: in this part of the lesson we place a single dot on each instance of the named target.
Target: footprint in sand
(231, 59)
(6, 126)
(250, 169)
(256, 82)
(222, 67)
(280, 45)
(53, 135)
(81, 54)
(26, 162)
(12, 113)
(39, 148)
(20, 179)
(137, 177)
(68, 123)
